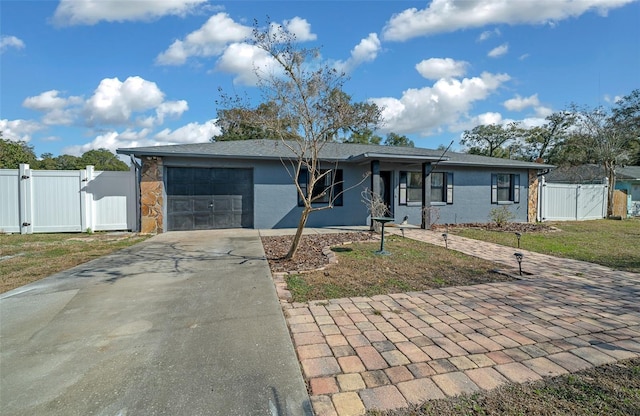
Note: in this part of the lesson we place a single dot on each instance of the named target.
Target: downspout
(138, 169)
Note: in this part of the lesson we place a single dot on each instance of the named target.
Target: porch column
(151, 196)
(426, 195)
(532, 211)
(375, 180)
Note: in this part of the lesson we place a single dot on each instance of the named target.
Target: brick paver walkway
(389, 351)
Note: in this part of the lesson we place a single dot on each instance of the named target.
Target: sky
(77, 75)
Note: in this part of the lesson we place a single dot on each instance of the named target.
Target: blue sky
(78, 75)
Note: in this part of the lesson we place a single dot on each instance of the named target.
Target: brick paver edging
(390, 351)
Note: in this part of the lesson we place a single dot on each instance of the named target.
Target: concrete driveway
(186, 323)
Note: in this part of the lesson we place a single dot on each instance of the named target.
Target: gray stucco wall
(471, 196)
(276, 198)
(276, 206)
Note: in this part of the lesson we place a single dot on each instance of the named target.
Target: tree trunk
(296, 239)
(610, 169)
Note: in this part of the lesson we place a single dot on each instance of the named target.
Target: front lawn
(412, 266)
(611, 243)
(30, 257)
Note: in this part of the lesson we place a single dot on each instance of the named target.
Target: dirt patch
(309, 255)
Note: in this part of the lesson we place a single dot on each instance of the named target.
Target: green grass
(609, 390)
(412, 266)
(30, 257)
(610, 243)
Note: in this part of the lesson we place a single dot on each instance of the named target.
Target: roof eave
(393, 157)
(537, 166)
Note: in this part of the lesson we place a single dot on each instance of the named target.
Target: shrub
(501, 216)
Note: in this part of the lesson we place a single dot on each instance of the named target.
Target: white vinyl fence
(47, 201)
(571, 202)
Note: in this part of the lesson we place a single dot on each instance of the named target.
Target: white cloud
(189, 133)
(523, 57)
(7, 42)
(487, 34)
(244, 60)
(426, 110)
(209, 40)
(519, 103)
(499, 51)
(112, 140)
(135, 101)
(297, 26)
(365, 51)
(114, 101)
(90, 12)
(19, 130)
(444, 16)
(436, 68)
(480, 119)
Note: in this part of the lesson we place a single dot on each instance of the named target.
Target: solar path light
(519, 257)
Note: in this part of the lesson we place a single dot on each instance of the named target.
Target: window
(505, 188)
(411, 187)
(328, 189)
(442, 187)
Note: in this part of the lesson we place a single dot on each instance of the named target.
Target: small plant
(501, 216)
(432, 216)
(89, 230)
(375, 205)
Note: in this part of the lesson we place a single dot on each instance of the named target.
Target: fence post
(541, 188)
(87, 209)
(605, 204)
(25, 199)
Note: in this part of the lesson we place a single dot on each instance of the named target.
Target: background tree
(607, 140)
(13, 153)
(101, 159)
(365, 136)
(490, 139)
(307, 95)
(235, 125)
(540, 142)
(394, 139)
(626, 116)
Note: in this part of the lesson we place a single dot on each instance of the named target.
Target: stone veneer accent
(532, 209)
(151, 199)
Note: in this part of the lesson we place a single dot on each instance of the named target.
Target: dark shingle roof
(590, 174)
(275, 149)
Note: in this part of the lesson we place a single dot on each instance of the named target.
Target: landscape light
(445, 236)
(518, 235)
(519, 257)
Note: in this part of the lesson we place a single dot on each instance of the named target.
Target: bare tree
(305, 95)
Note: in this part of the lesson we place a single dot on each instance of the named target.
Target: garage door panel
(202, 204)
(205, 198)
(179, 205)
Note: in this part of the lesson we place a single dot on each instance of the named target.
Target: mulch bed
(309, 255)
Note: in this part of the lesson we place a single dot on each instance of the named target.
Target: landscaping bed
(412, 266)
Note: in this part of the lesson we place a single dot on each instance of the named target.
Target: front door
(385, 189)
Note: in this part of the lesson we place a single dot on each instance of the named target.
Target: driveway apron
(186, 323)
